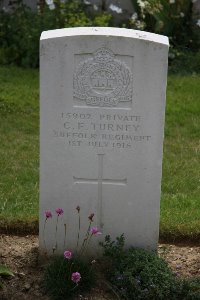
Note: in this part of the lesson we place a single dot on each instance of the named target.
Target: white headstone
(102, 119)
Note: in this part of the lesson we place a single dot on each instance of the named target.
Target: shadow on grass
(20, 228)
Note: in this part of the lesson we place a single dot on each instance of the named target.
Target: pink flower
(95, 231)
(76, 277)
(59, 211)
(48, 214)
(68, 254)
(91, 216)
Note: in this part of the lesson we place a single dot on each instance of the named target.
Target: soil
(21, 255)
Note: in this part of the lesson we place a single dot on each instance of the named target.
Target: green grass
(19, 159)
(19, 154)
(180, 205)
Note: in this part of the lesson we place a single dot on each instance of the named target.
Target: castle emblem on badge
(103, 80)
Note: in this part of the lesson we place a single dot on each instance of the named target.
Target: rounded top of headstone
(105, 31)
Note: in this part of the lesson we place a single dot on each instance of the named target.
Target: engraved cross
(100, 181)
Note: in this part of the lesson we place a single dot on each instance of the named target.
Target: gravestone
(101, 134)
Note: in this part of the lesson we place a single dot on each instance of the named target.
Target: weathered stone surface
(102, 119)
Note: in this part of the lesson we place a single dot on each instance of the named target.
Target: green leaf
(5, 271)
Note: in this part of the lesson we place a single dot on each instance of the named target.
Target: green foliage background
(20, 30)
(176, 20)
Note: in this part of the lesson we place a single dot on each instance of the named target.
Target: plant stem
(74, 287)
(44, 235)
(56, 233)
(65, 225)
(86, 245)
(86, 238)
(70, 269)
(112, 289)
(79, 227)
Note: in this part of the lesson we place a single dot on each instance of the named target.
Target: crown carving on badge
(103, 80)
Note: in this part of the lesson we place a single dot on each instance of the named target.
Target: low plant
(65, 277)
(4, 272)
(137, 273)
(71, 273)
(187, 289)
(141, 274)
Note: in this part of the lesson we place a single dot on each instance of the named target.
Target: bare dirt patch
(184, 260)
(21, 255)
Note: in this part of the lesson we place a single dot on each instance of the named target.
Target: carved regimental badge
(103, 80)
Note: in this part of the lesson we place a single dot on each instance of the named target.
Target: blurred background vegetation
(20, 29)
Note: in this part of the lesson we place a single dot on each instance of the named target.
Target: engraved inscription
(100, 131)
(103, 80)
